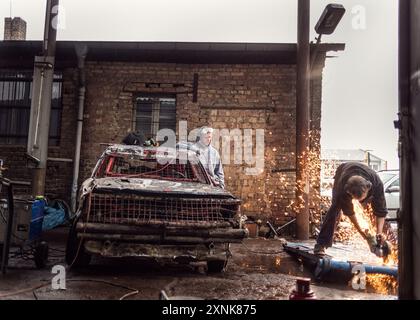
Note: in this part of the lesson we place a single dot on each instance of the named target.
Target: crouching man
(353, 180)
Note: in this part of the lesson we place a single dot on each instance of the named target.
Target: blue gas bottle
(37, 218)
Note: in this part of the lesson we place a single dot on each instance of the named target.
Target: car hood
(141, 185)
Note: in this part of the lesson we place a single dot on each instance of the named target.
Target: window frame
(18, 76)
(155, 117)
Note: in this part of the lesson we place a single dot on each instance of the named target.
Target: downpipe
(81, 51)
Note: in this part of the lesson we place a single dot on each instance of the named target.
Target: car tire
(41, 255)
(216, 266)
(76, 255)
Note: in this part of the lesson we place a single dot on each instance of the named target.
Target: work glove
(378, 245)
(385, 247)
(372, 242)
(380, 239)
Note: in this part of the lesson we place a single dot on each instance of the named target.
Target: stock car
(145, 203)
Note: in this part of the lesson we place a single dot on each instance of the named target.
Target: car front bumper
(170, 253)
(160, 233)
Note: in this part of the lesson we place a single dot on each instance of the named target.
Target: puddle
(255, 258)
(274, 264)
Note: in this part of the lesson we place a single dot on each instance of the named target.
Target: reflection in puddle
(294, 267)
(275, 264)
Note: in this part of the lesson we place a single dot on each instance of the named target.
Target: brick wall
(229, 97)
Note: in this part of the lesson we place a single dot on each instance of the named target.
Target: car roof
(390, 171)
(143, 150)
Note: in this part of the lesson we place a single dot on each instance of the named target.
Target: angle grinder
(379, 246)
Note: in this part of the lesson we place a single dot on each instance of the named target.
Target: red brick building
(224, 85)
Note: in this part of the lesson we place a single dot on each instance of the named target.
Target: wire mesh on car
(136, 167)
(132, 209)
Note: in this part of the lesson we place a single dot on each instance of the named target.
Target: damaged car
(142, 202)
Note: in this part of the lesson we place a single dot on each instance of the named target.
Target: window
(386, 176)
(154, 113)
(396, 183)
(15, 107)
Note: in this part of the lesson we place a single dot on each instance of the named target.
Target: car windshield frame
(190, 172)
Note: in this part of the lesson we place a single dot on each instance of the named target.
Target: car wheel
(41, 255)
(76, 255)
(216, 266)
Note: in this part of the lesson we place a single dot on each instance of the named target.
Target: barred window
(15, 107)
(155, 112)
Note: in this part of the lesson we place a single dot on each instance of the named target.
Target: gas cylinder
(37, 218)
(303, 290)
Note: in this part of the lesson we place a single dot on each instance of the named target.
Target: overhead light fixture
(330, 18)
(327, 24)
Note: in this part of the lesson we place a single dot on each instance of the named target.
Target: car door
(392, 197)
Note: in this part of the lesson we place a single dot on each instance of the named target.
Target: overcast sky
(360, 89)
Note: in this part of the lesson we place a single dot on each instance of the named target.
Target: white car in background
(391, 181)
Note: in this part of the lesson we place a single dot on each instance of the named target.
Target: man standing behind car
(209, 156)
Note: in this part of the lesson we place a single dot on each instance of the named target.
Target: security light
(330, 18)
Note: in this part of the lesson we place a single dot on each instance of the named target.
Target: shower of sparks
(279, 192)
(383, 284)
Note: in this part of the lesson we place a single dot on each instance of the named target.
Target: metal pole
(50, 29)
(405, 228)
(41, 101)
(415, 142)
(315, 52)
(302, 120)
(9, 227)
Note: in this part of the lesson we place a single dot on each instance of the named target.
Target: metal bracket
(195, 88)
(398, 125)
(43, 64)
(33, 159)
(283, 170)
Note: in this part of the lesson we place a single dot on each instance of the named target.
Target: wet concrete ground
(258, 270)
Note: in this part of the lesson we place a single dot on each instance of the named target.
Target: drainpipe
(81, 51)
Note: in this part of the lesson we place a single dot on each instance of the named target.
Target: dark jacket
(375, 196)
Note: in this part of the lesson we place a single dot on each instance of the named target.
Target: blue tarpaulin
(54, 216)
